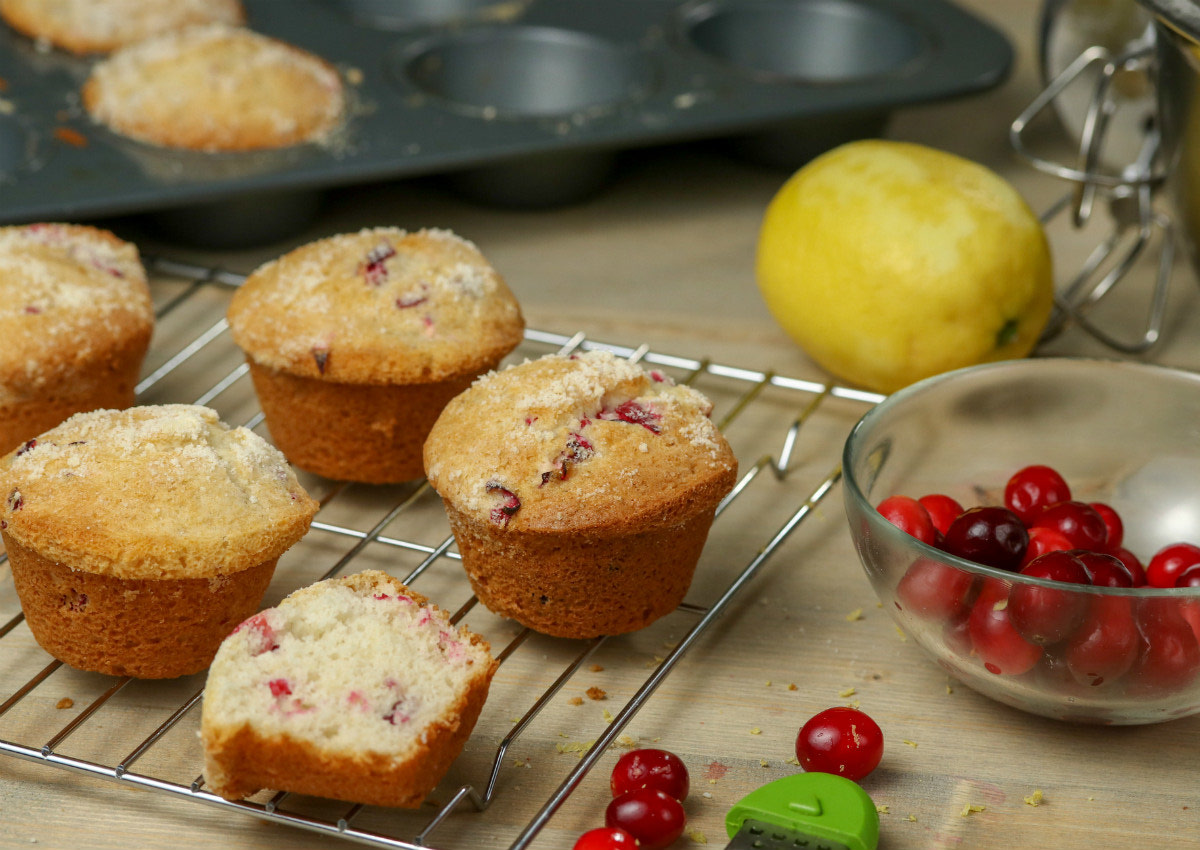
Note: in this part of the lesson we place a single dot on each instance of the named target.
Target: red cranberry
(1168, 562)
(653, 817)
(650, 768)
(1046, 615)
(1078, 522)
(1043, 540)
(605, 838)
(1136, 571)
(910, 516)
(842, 741)
(991, 536)
(1170, 655)
(633, 413)
(942, 509)
(999, 646)
(503, 512)
(1112, 522)
(1106, 645)
(1104, 570)
(1033, 488)
(934, 591)
(1189, 577)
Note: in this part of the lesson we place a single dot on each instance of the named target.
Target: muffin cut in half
(139, 538)
(75, 324)
(580, 490)
(353, 688)
(356, 343)
(216, 88)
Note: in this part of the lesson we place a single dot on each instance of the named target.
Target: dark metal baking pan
(529, 100)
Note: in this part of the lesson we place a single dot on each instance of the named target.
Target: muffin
(75, 323)
(580, 491)
(216, 88)
(101, 26)
(353, 688)
(139, 538)
(356, 342)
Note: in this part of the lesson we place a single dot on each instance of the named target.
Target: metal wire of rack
(751, 383)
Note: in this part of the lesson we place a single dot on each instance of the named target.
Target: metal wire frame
(200, 277)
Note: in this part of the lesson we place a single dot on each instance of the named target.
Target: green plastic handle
(820, 804)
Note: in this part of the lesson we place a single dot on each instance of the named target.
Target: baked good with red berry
(580, 490)
(101, 26)
(139, 538)
(354, 688)
(75, 324)
(357, 341)
(216, 88)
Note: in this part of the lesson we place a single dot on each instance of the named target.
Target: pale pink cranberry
(280, 687)
(633, 413)
(32, 310)
(374, 267)
(261, 635)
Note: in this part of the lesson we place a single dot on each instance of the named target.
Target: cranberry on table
(910, 516)
(605, 838)
(653, 817)
(1046, 615)
(942, 509)
(1001, 648)
(650, 768)
(1078, 522)
(1169, 562)
(842, 741)
(1033, 488)
(991, 536)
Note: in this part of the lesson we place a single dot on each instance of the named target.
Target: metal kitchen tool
(1101, 96)
(817, 811)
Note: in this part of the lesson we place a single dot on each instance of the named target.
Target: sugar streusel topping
(152, 492)
(97, 26)
(577, 439)
(377, 306)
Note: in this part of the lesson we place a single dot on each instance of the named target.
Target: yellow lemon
(889, 262)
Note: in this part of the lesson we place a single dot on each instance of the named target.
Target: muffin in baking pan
(216, 88)
(139, 538)
(353, 688)
(101, 26)
(580, 490)
(75, 320)
(356, 342)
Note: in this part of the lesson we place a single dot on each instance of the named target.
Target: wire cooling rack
(190, 310)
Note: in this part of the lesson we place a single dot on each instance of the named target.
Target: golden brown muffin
(101, 26)
(356, 343)
(75, 323)
(580, 491)
(139, 538)
(353, 688)
(216, 88)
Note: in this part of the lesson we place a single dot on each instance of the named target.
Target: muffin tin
(525, 101)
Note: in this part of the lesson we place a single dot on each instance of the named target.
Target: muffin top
(216, 88)
(68, 294)
(376, 307)
(100, 26)
(585, 441)
(152, 493)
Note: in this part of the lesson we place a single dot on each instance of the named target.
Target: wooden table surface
(664, 256)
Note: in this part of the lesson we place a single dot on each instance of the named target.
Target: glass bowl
(1122, 433)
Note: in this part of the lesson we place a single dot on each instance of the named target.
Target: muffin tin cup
(547, 90)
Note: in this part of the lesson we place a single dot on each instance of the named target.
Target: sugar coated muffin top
(66, 292)
(100, 26)
(581, 441)
(152, 493)
(216, 88)
(355, 666)
(379, 306)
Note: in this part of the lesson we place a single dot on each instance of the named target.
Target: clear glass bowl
(1127, 434)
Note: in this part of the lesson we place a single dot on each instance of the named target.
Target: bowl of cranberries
(1034, 526)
